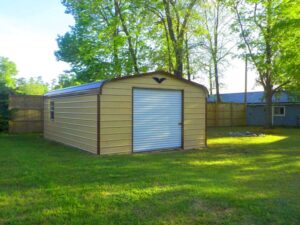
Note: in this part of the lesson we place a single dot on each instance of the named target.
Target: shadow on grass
(235, 183)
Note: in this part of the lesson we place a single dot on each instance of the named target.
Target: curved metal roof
(98, 85)
(79, 88)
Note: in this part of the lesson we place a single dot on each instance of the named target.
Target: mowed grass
(249, 180)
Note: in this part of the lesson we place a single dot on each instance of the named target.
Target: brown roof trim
(161, 72)
(99, 90)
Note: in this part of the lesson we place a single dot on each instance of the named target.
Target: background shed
(285, 110)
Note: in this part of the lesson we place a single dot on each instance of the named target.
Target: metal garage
(146, 112)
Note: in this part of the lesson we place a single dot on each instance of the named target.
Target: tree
(175, 16)
(8, 72)
(107, 39)
(66, 80)
(124, 25)
(217, 41)
(117, 37)
(287, 30)
(268, 49)
(217, 21)
(32, 86)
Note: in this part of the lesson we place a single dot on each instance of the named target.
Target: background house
(286, 107)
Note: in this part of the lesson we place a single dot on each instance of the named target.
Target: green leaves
(31, 86)
(113, 38)
(8, 72)
(270, 34)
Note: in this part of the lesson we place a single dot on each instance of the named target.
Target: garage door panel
(157, 117)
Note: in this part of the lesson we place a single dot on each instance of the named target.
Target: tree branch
(256, 22)
(186, 17)
(244, 36)
(279, 88)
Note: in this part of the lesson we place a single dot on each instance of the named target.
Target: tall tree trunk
(216, 73)
(170, 64)
(175, 41)
(116, 60)
(128, 36)
(188, 69)
(177, 37)
(210, 80)
(246, 79)
(178, 71)
(268, 106)
(269, 72)
(179, 55)
(215, 52)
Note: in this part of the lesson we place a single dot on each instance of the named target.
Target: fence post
(231, 115)
(216, 114)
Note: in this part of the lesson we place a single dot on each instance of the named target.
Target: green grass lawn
(249, 180)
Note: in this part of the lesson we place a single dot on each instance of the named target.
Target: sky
(28, 32)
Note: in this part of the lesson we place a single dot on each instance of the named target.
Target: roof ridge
(99, 84)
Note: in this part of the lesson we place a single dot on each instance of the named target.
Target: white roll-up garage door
(157, 119)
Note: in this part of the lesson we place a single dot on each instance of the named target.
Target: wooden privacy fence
(26, 113)
(226, 114)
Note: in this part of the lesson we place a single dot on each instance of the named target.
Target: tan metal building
(146, 112)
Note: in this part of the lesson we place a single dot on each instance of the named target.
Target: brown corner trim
(206, 122)
(98, 124)
(132, 118)
(182, 119)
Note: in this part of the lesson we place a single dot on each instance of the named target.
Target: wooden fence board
(226, 114)
(26, 113)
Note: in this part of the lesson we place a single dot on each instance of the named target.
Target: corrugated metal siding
(116, 116)
(75, 121)
(291, 118)
(157, 118)
(256, 115)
